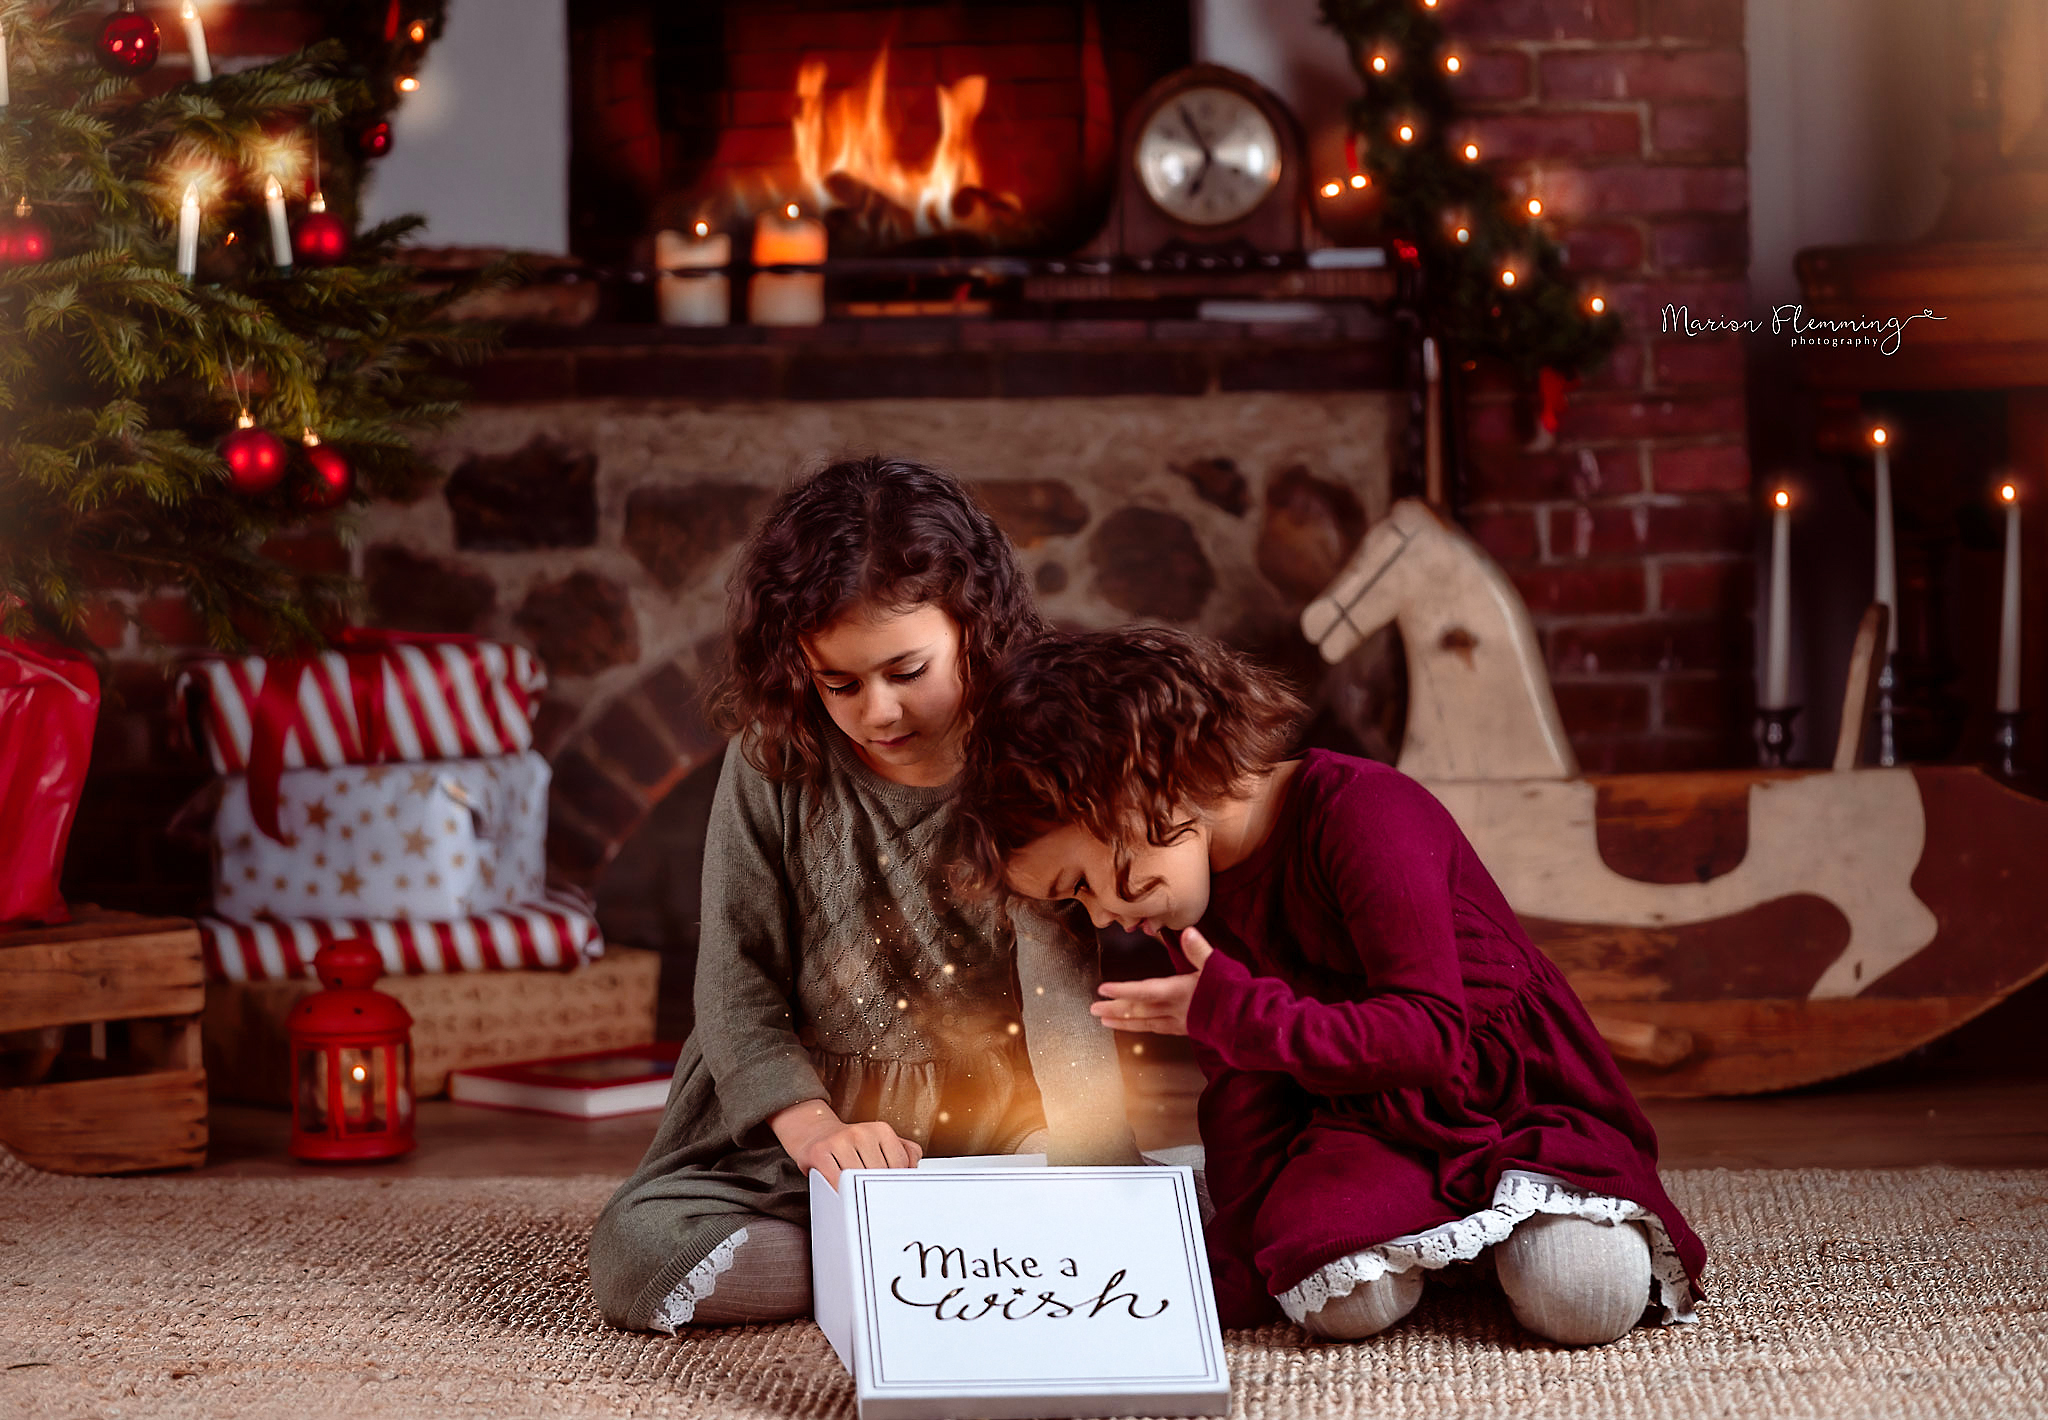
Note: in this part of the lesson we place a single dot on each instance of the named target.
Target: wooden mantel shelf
(1991, 298)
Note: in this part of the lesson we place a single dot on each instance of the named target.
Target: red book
(630, 1080)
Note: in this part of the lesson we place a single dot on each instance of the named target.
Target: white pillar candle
(2009, 609)
(280, 233)
(790, 297)
(1777, 650)
(3, 66)
(195, 40)
(1887, 589)
(188, 231)
(694, 299)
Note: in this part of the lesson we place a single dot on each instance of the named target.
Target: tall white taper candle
(3, 66)
(1887, 590)
(195, 40)
(2009, 609)
(188, 231)
(1777, 650)
(280, 234)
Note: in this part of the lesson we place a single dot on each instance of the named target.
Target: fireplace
(910, 128)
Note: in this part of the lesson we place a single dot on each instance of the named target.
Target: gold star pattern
(317, 814)
(347, 832)
(319, 860)
(349, 883)
(417, 843)
(364, 818)
(401, 882)
(244, 843)
(433, 880)
(459, 859)
(312, 889)
(281, 884)
(391, 811)
(423, 783)
(447, 825)
(376, 774)
(376, 857)
(488, 874)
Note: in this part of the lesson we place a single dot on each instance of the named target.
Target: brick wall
(1631, 537)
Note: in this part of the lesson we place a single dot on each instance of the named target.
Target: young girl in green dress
(850, 1012)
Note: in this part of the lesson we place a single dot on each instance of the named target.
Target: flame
(846, 157)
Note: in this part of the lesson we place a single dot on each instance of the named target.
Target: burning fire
(847, 162)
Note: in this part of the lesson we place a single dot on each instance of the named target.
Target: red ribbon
(276, 714)
(1551, 389)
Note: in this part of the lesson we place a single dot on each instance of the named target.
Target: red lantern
(129, 42)
(256, 457)
(375, 139)
(321, 238)
(351, 1062)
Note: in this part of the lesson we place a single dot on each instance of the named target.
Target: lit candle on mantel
(1777, 650)
(195, 40)
(3, 66)
(2009, 608)
(691, 298)
(1887, 560)
(280, 234)
(787, 297)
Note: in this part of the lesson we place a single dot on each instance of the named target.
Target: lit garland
(1494, 283)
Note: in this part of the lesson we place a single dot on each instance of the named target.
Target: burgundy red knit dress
(1396, 1075)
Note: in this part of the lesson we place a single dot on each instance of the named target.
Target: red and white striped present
(378, 697)
(555, 934)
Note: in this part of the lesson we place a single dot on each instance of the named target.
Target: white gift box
(1015, 1292)
(435, 841)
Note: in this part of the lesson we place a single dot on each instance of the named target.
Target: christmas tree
(1494, 283)
(196, 350)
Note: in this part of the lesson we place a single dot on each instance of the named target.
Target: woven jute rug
(1834, 1294)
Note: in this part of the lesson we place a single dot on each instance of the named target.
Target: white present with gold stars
(433, 841)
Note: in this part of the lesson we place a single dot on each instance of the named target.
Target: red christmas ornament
(1551, 388)
(129, 42)
(1408, 252)
(256, 458)
(375, 140)
(23, 240)
(321, 238)
(331, 478)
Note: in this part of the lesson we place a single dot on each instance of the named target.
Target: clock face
(1208, 156)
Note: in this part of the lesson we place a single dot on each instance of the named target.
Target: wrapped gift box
(481, 1018)
(556, 933)
(440, 841)
(381, 699)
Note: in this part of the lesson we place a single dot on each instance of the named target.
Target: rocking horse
(1730, 931)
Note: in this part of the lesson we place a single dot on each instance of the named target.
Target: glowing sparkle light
(418, 32)
(1507, 276)
(1331, 189)
(1782, 498)
(1463, 234)
(359, 1074)
(1471, 152)
(1879, 434)
(703, 229)
(1406, 133)
(1452, 64)
(407, 84)
(791, 212)
(1360, 180)
(1598, 304)
(1379, 64)
(902, 1004)
(1013, 1028)
(1535, 207)
(2008, 493)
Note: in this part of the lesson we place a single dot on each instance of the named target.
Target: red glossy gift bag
(49, 698)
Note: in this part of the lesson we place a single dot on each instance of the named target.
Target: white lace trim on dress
(680, 1306)
(1518, 1196)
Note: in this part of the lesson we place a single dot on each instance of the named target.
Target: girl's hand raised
(817, 1138)
(1158, 1004)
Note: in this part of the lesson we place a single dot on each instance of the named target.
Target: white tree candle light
(787, 297)
(1777, 659)
(691, 298)
(188, 231)
(280, 233)
(195, 40)
(1887, 590)
(3, 66)
(2009, 608)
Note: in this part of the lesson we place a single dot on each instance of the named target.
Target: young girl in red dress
(1397, 1079)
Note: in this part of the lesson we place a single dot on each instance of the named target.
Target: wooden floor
(1983, 1110)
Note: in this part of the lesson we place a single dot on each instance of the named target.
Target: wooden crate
(100, 1065)
(458, 1020)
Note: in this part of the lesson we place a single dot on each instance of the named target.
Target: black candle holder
(2005, 745)
(1774, 735)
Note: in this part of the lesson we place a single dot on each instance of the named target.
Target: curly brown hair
(1109, 730)
(882, 532)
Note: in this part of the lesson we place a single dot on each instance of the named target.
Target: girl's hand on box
(1158, 1004)
(817, 1138)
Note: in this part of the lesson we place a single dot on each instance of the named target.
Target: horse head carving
(1479, 698)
